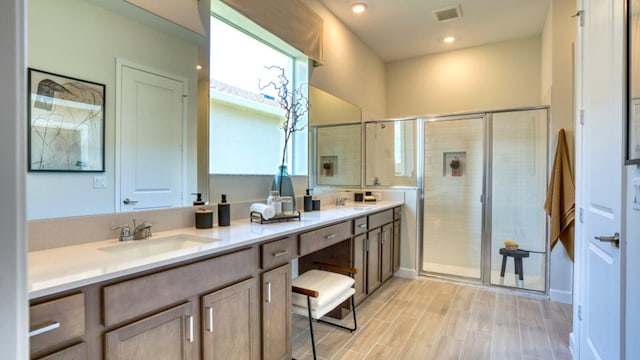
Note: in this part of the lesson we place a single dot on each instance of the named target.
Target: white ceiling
(401, 29)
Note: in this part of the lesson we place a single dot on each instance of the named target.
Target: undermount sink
(154, 246)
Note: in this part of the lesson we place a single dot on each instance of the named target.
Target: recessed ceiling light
(198, 67)
(359, 8)
(449, 39)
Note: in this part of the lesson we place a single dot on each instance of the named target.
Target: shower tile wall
(453, 212)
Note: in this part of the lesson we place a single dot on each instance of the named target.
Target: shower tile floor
(431, 319)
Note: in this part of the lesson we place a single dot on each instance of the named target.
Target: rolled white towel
(267, 211)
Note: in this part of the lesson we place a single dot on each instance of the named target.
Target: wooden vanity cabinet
(372, 247)
(164, 316)
(276, 313)
(374, 251)
(169, 334)
(231, 322)
(396, 245)
(360, 263)
(56, 324)
(75, 352)
(386, 252)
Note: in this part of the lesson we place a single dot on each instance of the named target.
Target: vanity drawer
(360, 225)
(397, 213)
(381, 218)
(277, 252)
(146, 294)
(55, 322)
(317, 239)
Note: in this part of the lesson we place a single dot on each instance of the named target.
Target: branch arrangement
(294, 104)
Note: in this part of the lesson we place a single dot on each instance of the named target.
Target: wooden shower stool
(517, 256)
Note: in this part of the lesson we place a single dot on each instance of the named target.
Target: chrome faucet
(142, 231)
(341, 199)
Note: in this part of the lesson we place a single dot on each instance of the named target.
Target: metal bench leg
(313, 342)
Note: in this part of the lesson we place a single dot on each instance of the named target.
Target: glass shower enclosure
(484, 182)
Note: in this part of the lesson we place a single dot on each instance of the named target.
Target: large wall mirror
(121, 46)
(336, 132)
(633, 78)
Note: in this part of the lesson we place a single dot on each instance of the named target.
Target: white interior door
(600, 166)
(151, 140)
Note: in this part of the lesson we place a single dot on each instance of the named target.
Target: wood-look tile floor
(430, 319)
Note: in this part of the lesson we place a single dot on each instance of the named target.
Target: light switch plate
(99, 182)
(636, 194)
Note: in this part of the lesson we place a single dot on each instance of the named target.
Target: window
(245, 121)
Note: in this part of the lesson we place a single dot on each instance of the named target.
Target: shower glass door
(453, 182)
(484, 182)
(518, 191)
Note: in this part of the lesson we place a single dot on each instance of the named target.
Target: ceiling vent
(447, 14)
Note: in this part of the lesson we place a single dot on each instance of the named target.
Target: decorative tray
(256, 216)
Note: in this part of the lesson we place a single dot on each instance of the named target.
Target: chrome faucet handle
(125, 232)
(142, 231)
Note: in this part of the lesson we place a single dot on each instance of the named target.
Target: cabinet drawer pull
(44, 329)
(209, 318)
(280, 253)
(189, 328)
(330, 236)
(362, 226)
(268, 295)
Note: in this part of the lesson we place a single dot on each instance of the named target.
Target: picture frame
(66, 123)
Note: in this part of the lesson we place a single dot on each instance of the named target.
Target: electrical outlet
(99, 182)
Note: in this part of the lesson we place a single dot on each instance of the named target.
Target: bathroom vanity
(220, 293)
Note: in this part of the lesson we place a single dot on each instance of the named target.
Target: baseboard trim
(561, 296)
(572, 345)
(406, 273)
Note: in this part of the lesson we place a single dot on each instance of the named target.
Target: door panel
(454, 155)
(151, 139)
(600, 173)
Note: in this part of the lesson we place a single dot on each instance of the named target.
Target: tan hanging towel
(561, 196)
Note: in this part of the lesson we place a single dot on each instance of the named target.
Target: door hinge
(581, 215)
(579, 16)
(579, 312)
(581, 117)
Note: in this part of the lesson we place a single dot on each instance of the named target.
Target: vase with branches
(295, 105)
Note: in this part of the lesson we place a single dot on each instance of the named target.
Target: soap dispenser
(308, 201)
(224, 212)
(198, 201)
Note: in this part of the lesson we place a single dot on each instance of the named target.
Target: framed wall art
(66, 123)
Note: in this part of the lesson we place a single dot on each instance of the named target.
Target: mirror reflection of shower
(390, 149)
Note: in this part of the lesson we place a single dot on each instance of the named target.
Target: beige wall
(351, 71)
(558, 91)
(494, 76)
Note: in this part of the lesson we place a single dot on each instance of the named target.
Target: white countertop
(65, 268)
